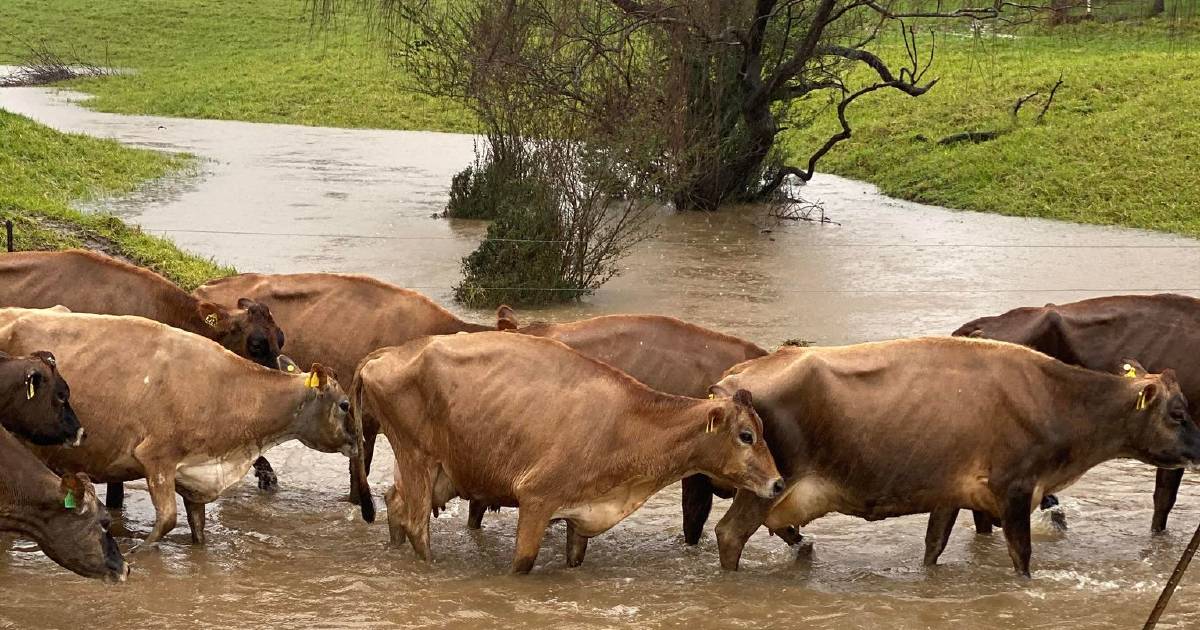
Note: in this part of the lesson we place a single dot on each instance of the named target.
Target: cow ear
(714, 420)
(213, 315)
(246, 303)
(977, 333)
(318, 376)
(506, 319)
(286, 364)
(1130, 368)
(743, 397)
(74, 491)
(1146, 396)
(46, 358)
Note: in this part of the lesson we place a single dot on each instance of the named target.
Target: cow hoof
(267, 480)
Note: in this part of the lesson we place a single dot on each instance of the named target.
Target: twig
(1021, 101)
(1049, 100)
(1173, 581)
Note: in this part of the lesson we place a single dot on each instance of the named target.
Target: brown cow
(175, 408)
(89, 282)
(937, 424)
(1160, 331)
(36, 401)
(664, 353)
(338, 319)
(61, 515)
(526, 422)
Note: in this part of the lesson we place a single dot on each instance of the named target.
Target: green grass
(1120, 145)
(227, 59)
(42, 171)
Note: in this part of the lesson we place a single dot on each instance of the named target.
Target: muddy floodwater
(278, 198)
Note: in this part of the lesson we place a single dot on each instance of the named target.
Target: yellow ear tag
(1129, 371)
(312, 381)
(291, 368)
(32, 391)
(1141, 401)
(211, 319)
(711, 395)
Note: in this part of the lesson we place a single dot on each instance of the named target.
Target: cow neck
(185, 308)
(24, 479)
(1100, 424)
(668, 428)
(273, 418)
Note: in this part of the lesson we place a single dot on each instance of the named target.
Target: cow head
(1163, 433)
(506, 318)
(324, 422)
(37, 401)
(75, 533)
(249, 330)
(737, 452)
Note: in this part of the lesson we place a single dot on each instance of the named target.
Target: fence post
(8, 226)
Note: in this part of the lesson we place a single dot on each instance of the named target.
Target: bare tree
(692, 93)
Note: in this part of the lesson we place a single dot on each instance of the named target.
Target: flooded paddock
(278, 198)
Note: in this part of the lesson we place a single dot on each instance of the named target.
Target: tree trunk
(1157, 7)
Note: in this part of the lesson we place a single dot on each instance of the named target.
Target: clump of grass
(43, 171)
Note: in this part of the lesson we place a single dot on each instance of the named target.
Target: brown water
(300, 558)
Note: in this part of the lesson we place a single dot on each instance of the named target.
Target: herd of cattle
(109, 372)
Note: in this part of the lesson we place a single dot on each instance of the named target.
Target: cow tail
(358, 466)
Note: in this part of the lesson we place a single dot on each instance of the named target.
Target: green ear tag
(69, 500)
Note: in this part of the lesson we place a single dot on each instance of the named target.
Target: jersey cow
(60, 514)
(1160, 331)
(174, 408)
(582, 442)
(88, 282)
(664, 353)
(937, 424)
(337, 319)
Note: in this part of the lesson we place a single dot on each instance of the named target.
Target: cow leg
(576, 546)
(744, 517)
(532, 520)
(1016, 529)
(114, 496)
(396, 523)
(370, 433)
(267, 480)
(941, 523)
(161, 484)
(475, 511)
(697, 503)
(1166, 489)
(195, 519)
(983, 522)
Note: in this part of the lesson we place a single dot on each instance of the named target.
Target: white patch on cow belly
(810, 498)
(600, 514)
(205, 477)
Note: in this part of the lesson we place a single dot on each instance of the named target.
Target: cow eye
(746, 437)
(344, 406)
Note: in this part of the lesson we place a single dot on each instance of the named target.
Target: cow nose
(777, 488)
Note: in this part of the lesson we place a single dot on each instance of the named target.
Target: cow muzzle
(77, 440)
(772, 488)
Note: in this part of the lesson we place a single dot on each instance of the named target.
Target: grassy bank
(1118, 146)
(42, 171)
(226, 59)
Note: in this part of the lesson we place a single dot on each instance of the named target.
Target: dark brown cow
(1160, 331)
(937, 424)
(525, 422)
(338, 319)
(89, 282)
(60, 514)
(36, 401)
(668, 355)
(174, 408)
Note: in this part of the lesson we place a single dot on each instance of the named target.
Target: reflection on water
(300, 558)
